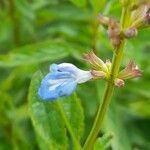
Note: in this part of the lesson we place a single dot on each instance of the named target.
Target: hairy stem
(117, 58)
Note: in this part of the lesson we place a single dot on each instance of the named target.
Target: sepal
(95, 62)
(131, 71)
(98, 74)
(99, 68)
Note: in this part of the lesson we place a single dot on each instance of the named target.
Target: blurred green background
(36, 33)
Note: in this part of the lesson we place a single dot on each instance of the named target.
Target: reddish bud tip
(130, 32)
(119, 83)
(114, 33)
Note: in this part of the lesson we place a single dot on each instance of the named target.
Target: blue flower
(62, 81)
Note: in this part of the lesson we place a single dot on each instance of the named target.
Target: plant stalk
(106, 100)
(102, 110)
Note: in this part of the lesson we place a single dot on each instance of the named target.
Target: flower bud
(114, 29)
(119, 82)
(114, 33)
(130, 32)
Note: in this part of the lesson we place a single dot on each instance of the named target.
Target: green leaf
(136, 102)
(74, 112)
(46, 118)
(35, 53)
(79, 3)
(51, 118)
(114, 124)
(103, 143)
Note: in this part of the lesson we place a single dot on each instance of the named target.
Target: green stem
(123, 16)
(106, 100)
(99, 118)
(117, 58)
(77, 146)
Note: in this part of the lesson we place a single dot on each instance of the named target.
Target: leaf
(41, 143)
(103, 143)
(79, 3)
(46, 118)
(74, 112)
(76, 15)
(35, 53)
(6, 108)
(51, 118)
(114, 124)
(136, 102)
(24, 9)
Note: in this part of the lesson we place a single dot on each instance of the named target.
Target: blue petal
(56, 84)
(64, 67)
(67, 88)
(44, 89)
(67, 67)
(59, 75)
(53, 68)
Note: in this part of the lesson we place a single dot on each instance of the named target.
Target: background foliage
(36, 33)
